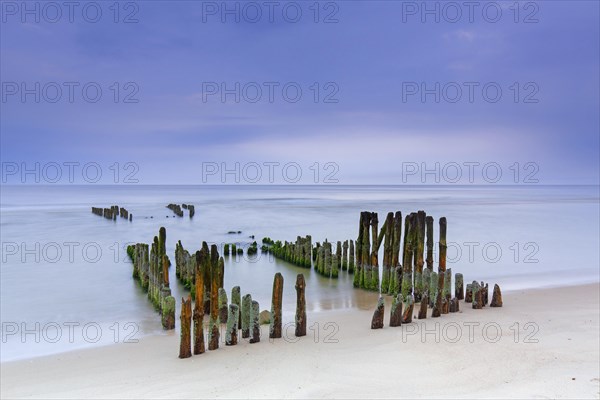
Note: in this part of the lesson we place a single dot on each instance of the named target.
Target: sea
(66, 280)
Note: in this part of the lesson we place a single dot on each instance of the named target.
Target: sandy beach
(542, 344)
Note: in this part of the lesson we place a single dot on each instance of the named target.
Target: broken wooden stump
(469, 293)
(254, 322)
(276, 303)
(396, 311)
(185, 345)
(377, 321)
(168, 312)
(496, 297)
(231, 338)
(454, 307)
(300, 306)
(446, 296)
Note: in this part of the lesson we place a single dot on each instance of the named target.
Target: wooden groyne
(151, 270)
(112, 212)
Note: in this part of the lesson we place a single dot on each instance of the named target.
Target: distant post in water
(276, 303)
(300, 306)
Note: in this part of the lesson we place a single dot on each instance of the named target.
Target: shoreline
(407, 361)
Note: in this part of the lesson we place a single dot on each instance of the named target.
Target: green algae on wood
(377, 320)
(231, 335)
(396, 311)
(300, 306)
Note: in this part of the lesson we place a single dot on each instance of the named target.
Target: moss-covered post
(377, 320)
(446, 294)
(168, 313)
(199, 303)
(441, 265)
(185, 344)
(300, 306)
(477, 295)
(374, 278)
(351, 257)
(214, 323)
(395, 268)
(338, 253)
(246, 315)
(429, 259)
(223, 309)
(407, 314)
(236, 298)
(409, 241)
(496, 297)
(433, 284)
(388, 235)
(276, 303)
(334, 266)
(366, 252)
(396, 312)
(358, 268)
(254, 322)
(418, 261)
(162, 240)
(231, 338)
(459, 291)
(345, 256)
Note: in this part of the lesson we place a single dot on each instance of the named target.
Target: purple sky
(369, 63)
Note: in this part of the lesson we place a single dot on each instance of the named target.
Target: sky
(473, 92)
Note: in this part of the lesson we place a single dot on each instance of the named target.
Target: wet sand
(542, 343)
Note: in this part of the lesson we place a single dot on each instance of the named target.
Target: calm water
(63, 266)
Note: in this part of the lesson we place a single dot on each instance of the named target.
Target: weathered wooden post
(338, 254)
(409, 241)
(236, 298)
(454, 307)
(388, 234)
(254, 322)
(345, 256)
(418, 259)
(447, 291)
(232, 325)
(199, 303)
(496, 297)
(396, 312)
(469, 293)
(214, 323)
(185, 345)
(440, 299)
(434, 292)
(276, 303)
(334, 266)
(377, 321)
(366, 251)
(395, 271)
(459, 292)
(168, 313)
(300, 306)
(429, 259)
(477, 296)
(358, 268)
(423, 307)
(374, 276)
(409, 305)
(486, 291)
(223, 309)
(351, 257)
(246, 315)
